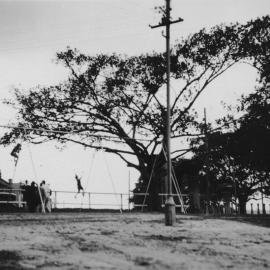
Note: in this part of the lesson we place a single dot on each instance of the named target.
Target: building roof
(4, 184)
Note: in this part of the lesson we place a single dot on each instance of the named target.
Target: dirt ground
(131, 241)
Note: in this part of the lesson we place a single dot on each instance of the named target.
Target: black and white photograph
(134, 134)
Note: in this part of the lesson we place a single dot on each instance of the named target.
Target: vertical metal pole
(207, 165)
(41, 200)
(55, 199)
(89, 200)
(129, 191)
(169, 204)
(121, 195)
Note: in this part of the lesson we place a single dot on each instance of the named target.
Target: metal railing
(93, 200)
(61, 199)
(107, 200)
(70, 199)
(179, 202)
(16, 193)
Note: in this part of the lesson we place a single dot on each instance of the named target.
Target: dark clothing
(16, 150)
(79, 185)
(32, 197)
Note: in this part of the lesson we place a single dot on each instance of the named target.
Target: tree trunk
(153, 199)
(195, 203)
(242, 204)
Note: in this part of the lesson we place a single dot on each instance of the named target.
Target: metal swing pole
(39, 191)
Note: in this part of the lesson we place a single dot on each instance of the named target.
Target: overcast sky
(31, 32)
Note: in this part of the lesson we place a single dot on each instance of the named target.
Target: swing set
(16, 154)
(89, 177)
(178, 194)
(16, 150)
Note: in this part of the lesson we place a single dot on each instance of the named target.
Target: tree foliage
(240, 155)
(254, 130)
(116, 102)
(229, 173)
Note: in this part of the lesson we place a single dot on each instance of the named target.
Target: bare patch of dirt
(133, 241)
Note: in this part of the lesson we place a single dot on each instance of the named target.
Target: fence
(90, 200)
(99, 200)
(258, 208)
(12, 197)
(103, 200)
(68, 199)
(85, 200)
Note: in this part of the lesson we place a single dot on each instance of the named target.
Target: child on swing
(79, 185)
(15, 152)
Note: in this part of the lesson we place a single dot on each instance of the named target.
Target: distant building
(10, 191)
(4, 184)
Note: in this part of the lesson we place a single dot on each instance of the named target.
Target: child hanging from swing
(79, 185)
(15, 152)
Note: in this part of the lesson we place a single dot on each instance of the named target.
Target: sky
(31, 32)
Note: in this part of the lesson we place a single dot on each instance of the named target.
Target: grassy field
(132, 241)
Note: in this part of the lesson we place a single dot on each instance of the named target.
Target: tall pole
(169, 203)
(207, 164)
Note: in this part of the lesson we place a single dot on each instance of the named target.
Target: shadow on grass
(9, 260)
(259, 220)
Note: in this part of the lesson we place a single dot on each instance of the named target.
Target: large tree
(240, 155)
(254, 129)
(116, 103)
(229, 172)
(251, 138)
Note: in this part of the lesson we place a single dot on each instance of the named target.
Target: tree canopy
(116, 102)
(254, 130)
(228, 170)
(239, 155)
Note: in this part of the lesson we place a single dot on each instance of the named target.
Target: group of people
(37, 198)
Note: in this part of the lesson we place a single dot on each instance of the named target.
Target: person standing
(33, 197)
(48, 201)
(46, 194)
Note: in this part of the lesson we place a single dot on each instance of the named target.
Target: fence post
(20, 199)
(121, 201)
(263, 210)
(129, 202)
(251, 205)
(258, 209)
(55, 199)
(89, 201)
